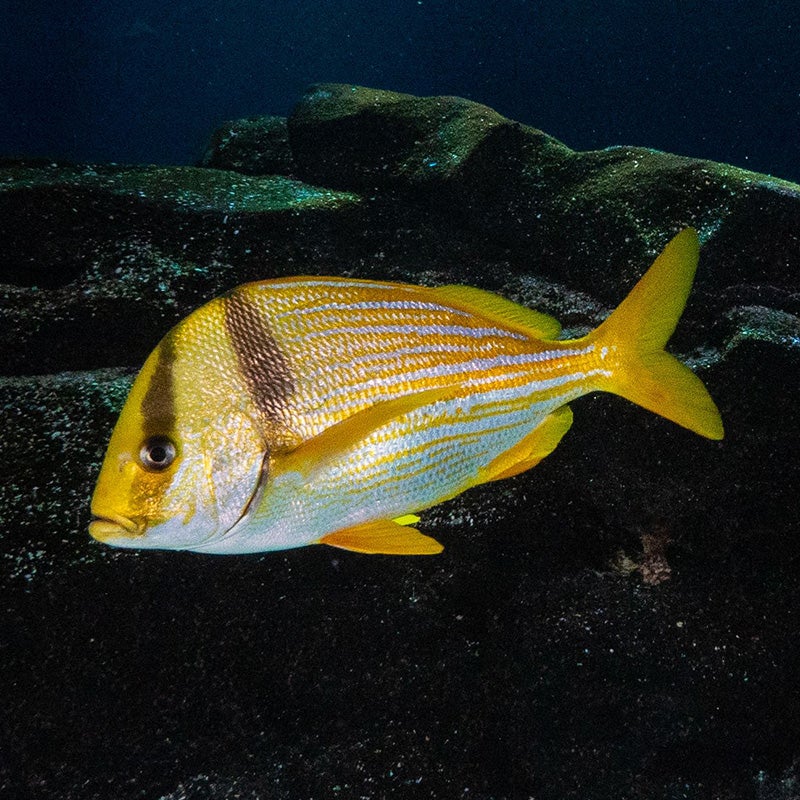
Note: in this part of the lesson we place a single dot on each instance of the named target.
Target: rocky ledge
(619, 622)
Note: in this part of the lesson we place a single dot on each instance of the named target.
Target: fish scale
(329, 410)
(433, 452)
(359, 362)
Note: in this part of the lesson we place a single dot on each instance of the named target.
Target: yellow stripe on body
(352, 346)
(413, 464)
(369, 358)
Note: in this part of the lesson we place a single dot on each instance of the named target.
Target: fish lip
(107, 526)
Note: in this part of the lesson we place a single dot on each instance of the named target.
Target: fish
(306, 410)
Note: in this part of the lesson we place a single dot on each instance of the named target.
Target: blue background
(148, 81)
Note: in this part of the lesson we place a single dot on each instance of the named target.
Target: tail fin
(639, 328)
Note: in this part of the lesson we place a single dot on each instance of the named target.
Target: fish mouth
(113, 526)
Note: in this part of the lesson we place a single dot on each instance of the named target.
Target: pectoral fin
(344, 435)
(532, 449)
(383, 536)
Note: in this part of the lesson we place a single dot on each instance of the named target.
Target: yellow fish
(303, 410)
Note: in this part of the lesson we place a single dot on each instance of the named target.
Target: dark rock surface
(619, 622)
(253, 146)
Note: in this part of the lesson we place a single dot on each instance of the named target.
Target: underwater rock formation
(536, 656)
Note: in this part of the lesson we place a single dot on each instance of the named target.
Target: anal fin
(383, 536)
(531, 450)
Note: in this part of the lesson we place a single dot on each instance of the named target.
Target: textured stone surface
(253, 146)
(619, 621)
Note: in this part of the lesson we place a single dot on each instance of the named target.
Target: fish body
(317, 409)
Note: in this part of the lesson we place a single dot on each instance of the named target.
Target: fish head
(189, 450)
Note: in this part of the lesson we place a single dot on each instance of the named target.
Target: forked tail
(632, 340)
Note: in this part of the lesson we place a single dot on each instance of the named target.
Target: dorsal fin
(497, 308)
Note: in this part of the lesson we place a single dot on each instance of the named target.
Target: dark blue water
(147, 81)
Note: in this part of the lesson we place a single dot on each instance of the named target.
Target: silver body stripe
(504, 384)
(476, 364)
(420, 330)
(374, 363)
(379, 305)
(352, 400)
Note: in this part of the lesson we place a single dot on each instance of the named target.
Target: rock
(81, 246)
(414, 142)
(253, 146)
(622, 617)
(43, 488)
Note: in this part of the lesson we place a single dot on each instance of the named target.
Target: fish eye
(157, 453)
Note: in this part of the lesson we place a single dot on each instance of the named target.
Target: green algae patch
(201, 189)
(413, 141)
(761, 324)
(57, 220)
(194, 188)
